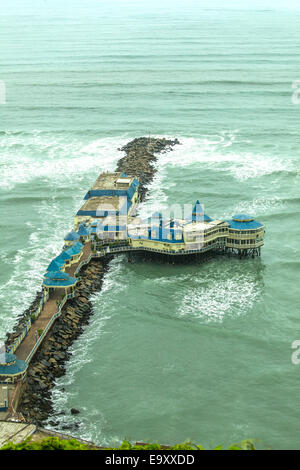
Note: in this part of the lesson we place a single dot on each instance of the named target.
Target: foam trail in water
(61, 166)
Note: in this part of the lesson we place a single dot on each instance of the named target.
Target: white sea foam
(25, 158)
(209, 150)
(224, 297)
(258, 206)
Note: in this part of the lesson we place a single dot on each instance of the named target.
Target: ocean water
(172, 352)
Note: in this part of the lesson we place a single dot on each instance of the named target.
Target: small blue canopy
(7, 358)
(64, 256)
(83, 231)
(56, 275)
(74, 250)
(77, 246)
(71, 281)
(72, 236)
(55, 265)
(70, 251)
(16, 368)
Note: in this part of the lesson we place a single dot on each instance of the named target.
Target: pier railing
(26, 328)
(20, 338)
(123, 249)
(47, 327)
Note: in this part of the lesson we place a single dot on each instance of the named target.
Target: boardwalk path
(49, 309)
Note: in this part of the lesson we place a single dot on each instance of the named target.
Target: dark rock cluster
(140, 158)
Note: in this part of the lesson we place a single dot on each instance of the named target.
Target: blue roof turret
(198, 214)
(242, 218)
(244, 222)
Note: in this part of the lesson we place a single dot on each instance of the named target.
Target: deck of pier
(48, 311)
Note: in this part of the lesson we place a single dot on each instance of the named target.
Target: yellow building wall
(157, 245)
(257, 238)
(73, 260)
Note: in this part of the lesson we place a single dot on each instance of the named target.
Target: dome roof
(243, 218)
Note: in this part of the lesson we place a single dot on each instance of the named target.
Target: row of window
(247, 232)
(241, 242)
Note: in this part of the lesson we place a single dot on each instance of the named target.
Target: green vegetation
(54, 443)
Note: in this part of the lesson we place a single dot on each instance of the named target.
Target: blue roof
(252, 225)
(72, 236)
(74, 249)
(64, 255)
(83, 231)
(55, 265)
(7, 358)
(198, 214)
(113, 192)
(16, 368)
(77, 245)
(198, 209)
(71, 281)
(56, 275)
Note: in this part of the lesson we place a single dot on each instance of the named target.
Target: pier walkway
(49, 311)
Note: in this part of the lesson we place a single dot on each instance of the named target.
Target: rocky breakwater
(141, 156)
(49, 361)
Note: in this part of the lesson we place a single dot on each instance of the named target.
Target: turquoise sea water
(172, 352)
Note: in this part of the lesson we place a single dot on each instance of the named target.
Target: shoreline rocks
(49, 361)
